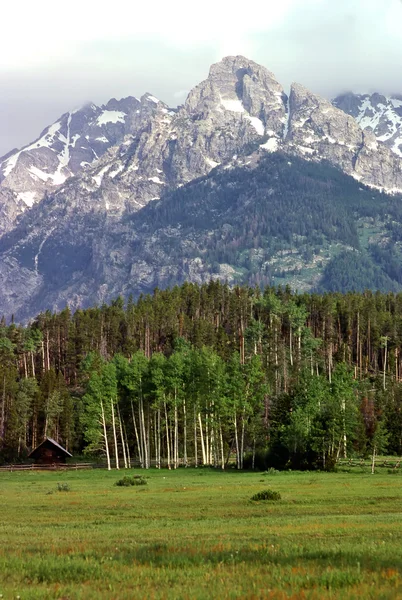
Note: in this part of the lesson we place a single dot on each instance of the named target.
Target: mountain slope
(318, 130)
(381, 114)
(265, 219)
(69, 145)
(241, 183)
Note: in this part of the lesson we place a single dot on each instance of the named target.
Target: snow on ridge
(232, 105)
(27, 197)
(271, 145)
(111, 116)
(116, 171)
(42, 142)
(56, 178)
(99, 176)
(212, 163)
(376, 116)
(64, 156)
(156, 180)
(287, 119)
(257, 124)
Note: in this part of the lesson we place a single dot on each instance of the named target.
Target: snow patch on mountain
(232, 105)
(257, 124)
(271, 145)
(111, 116)
(380, 114)
(27, 197)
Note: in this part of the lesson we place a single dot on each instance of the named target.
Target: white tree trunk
(116, 450)
(184, 434)
(105, 437)
(204, 458)
(237, 443)
(137, 437)
(123, 443)
(167, 438)
(221, 444)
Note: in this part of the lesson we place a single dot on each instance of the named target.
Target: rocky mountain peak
(86, 238)
(239, 85)
(380, 114)
(318, 130)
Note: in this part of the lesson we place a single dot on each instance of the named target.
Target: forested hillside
(207, 373)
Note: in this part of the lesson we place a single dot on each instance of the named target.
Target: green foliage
(128, 481)
(356, 271)
(266, 495)
(223, 377)
(133, 547)
(63, 487)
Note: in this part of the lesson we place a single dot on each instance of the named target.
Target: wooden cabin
(49, 452)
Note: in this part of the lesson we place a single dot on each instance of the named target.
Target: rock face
(239, 105)
(380, 114)
(97, 169)
(68, 146)
(318, 130)
(9, 209)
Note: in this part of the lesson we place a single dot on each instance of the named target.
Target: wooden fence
(354, 462)
(52, 467)
(343, 462)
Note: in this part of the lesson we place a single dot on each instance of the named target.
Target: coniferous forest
(206, 375)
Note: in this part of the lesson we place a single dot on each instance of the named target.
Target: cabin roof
(53, 443)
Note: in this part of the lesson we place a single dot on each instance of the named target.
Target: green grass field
(196, 534)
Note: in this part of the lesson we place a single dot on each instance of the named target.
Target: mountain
(242, 183)
(66, 148)
(381, 114)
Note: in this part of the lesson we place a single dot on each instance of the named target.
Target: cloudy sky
(56, 56)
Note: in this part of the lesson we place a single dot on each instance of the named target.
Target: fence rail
(52, 467)
(77, 466)
(343, 462)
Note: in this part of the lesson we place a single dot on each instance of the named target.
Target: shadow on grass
(163, 555)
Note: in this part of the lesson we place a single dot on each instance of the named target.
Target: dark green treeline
(208, 374)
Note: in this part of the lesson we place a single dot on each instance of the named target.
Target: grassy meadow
(195, 533)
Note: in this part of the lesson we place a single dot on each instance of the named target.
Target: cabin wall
(48, 456)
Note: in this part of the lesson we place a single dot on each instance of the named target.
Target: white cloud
(44, 32)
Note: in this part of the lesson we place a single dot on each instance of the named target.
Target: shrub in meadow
(266, 495)
(127, 481)
(63, 487)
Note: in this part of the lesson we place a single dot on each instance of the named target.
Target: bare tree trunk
(127, 446)
(373, 461)
(237, 442)
(195, 439)
(143, 434)
(159, 440)
(243, 430)
(204, 457)
(137, 437)
(185, 434)
(3, 410)
(344, 428)
(176, 436)
(167, 438)
(33, 364)
(221, 444)
(116, 451)
(123, 444)
(207, 441)
(105, 437)
(290, 346)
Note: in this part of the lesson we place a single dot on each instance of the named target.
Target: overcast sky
(56, 56)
